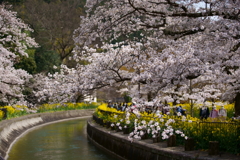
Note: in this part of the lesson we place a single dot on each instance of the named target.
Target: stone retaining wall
(12, 128)
(118, 145)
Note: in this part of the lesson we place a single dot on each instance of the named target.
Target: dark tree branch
(181, 33)
(235, 48)
(119, 20)
(177, 5)
(185, 12)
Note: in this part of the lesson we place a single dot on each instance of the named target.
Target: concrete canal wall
(12, 128)
(118, 145)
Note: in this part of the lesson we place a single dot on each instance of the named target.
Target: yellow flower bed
(48, 107)
(104, 107)
(16, 111)
(1, 115)
(225, 132)
(10, 110)
(65, 106)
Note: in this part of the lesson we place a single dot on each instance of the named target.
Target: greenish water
(65, 140)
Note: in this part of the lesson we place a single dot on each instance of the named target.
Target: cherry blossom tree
(59, 87)
(180, 41)
(185, 49)
(14, 40)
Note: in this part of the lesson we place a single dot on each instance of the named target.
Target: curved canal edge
(118, 145)
(11, 129)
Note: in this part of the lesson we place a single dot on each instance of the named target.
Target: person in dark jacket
(204, 112)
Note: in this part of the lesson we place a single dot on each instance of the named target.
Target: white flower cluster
(154, 128)
(14, 41)
(167, 132)
(139, 130)
(181, 133)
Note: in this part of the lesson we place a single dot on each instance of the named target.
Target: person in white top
(222, 113)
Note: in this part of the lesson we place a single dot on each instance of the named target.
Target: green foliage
(45, 60)
(127, 98)
(47, 1)
(14, 2)
(53, 22)
(28, 64)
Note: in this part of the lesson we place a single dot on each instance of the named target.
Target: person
(159, 110)
(183, 111)
(166, 109)
(110, 105)
(179, 109)
(160, 107)
(222, 113)
(133, 106)
(120, 106)
(148, 109)
(214, 112)
(175, 110)
(116, 106)
(204, 112)
(124, 106)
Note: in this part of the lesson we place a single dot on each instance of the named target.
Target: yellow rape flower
(1, 114)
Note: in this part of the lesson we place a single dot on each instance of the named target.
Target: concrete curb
(13, 128)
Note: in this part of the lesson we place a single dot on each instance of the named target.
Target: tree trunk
(237, 105)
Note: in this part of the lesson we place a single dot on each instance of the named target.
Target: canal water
(66, 140)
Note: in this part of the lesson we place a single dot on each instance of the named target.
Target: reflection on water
(65, 140)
